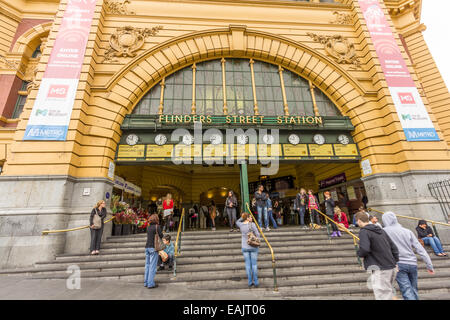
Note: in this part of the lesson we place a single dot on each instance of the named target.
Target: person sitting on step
(426, 234)
(166, 256)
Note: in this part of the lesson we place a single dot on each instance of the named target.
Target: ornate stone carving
(127, 40)
(339, 48)
(11, 64)
(117, 7)
(342, 18)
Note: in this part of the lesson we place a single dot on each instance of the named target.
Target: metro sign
(406, 98)
(58, 91)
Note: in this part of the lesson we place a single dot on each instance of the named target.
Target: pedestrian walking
(329, 211)
(425, 233)
(261, 206)
(151, 255)
(300, 203)
(96, 219)
(270, 214)
(250, 253)
(313, 205)
(167, 211)
(212, 215)
(230, 207)
(380, 257)
(406, 242)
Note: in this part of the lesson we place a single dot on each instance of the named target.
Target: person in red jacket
(167, 211)
(341, 219)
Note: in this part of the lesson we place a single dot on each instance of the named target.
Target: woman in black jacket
(230, 207)
(96, 234)
(425, 233)
(151, 256)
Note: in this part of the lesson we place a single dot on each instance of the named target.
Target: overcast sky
(435, 15)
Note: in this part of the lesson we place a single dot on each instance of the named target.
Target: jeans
(333, 225)
(301, 213)
(202, 221)
(251, 267)
(266, 220)
(96, 238)
(434, 243)
(151, 260)
(314, 213)
(407, 281)
(274, 224)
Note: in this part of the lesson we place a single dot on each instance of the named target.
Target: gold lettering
(208, 119)
(194, 118)
(309, 120)
(292, 120)
(202, 119)
(254, 119)
(161, 116)
(186, 119)
(235, 119)
(241, 119)
(286, 119)
(248, 119)
(262, 118)
(279, 120)
(171, 118)
(298, 119)
(318, 120)
(303, 119)
(228, 119)
(179, 119)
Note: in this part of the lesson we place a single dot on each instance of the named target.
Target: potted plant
(124, 216)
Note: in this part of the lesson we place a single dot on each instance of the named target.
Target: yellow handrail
(178, 233)
(340, 227)
(270, 248)
(46, 232)
(413, 218)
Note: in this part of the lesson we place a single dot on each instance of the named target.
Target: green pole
(245, 198)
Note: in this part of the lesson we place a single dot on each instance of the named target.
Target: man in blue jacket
(380, 257)
(406, 241)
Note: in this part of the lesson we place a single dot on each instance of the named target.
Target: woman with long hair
(246, 225)
(167, 211)
(230, 207)
(96, 233)
(313, 205)
(212, 215)
(151, 256)
(341, 219)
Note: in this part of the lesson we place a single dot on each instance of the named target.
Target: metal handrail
(178, 243)
(275, 287)
(433, 223)
(347, 231)
(46, 232)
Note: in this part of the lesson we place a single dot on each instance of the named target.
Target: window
(240, 79)
(37, 52)
(21, 99)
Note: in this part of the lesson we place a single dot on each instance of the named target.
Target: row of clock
(188, 139)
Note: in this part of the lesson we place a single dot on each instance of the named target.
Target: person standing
(406, 241)
(203, 214)
(212, 215)
(96, 234)
(151, 256)
(230, 207)
(167, 211)
(329, 211)
(270, 213)
(246, 225)
(313, 205)
(300, 203)
(380, 257)
(425, 233)
(261, 206)
(277, 212)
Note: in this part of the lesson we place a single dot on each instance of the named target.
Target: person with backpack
(250, 248)
(380, 257)
(151, 253)
(96, 219)
(406, 242)
(300, 203)
(230, 208)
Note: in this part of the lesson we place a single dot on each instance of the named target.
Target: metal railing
(275, 287)
(433, 223)
(46, 232)
(178, 242)
(355, 238)
(441, 192)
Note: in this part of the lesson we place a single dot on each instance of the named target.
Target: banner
(414, 118)
(50, 117)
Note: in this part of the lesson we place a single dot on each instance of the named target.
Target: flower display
(122, 212)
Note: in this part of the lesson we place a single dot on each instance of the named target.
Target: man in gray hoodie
(406, 241)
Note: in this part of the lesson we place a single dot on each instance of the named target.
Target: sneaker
(267, 229)
(160, 268)
(213, 229)
(231, 230)
(339, 234)
(334, 234)
(170, 267)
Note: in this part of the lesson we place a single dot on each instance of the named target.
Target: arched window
(235, 87)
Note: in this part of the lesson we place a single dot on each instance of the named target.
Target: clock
(188, 139)
(160, 139)
(132, 139)
(343, 139)
(242, 139)
(319, 139)
(268, 139)
(294, 139)
(215, 139)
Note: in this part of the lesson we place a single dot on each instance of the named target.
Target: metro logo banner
(413, 115)
(50, 117)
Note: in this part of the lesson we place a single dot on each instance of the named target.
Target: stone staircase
(309, 266)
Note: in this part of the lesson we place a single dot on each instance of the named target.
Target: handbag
(158, 244)
(252, 239)
(164, 256)
(97, 221)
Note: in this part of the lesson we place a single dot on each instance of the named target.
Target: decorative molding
(127, 40)
(118, 7)
(11, 64)
(338, 47)
(342, 18)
